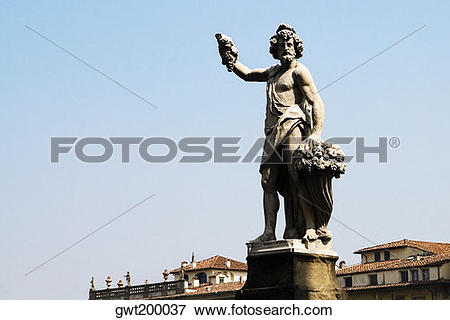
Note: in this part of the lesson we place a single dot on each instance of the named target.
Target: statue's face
(286, 50)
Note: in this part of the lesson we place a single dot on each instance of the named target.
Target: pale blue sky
(166, 52)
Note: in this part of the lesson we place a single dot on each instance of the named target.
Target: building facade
(405, 269)
(217, 277)
(214, 270)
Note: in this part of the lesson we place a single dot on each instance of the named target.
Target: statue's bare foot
(266, 236)
(291, 234)
(310, 236)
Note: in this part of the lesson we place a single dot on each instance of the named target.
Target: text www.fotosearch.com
(233, 310)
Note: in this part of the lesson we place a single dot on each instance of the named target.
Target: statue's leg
(305, 212)
(271, 201)
(295, 181)
(290, 209)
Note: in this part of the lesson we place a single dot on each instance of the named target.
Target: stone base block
(288, 274)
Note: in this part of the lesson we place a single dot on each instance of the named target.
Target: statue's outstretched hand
(227, 50)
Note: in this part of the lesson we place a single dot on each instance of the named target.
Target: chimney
(342, 264)
(194, 264)
(228, 263)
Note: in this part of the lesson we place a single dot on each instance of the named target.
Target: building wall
(231, 275)
(445, 271)
(396, 253)
(389, 276)
(393, 294)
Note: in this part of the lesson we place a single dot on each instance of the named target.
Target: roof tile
(433, 247)
(216, 262)
(395, 264)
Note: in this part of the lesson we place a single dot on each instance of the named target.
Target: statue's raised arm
(229, 55)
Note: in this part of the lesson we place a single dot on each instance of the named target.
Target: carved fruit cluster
(322, 158)
(227, 51)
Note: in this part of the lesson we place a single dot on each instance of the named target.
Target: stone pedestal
(289, 269)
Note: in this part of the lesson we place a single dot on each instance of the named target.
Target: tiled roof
(433, 247)
(396, 285)
(395, 264)
(216, 262)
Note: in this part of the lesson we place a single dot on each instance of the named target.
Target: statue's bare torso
(286, 87)
(284, 91)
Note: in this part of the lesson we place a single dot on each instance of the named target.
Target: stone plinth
(289, 269)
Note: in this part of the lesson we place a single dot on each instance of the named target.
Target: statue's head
(286, 45)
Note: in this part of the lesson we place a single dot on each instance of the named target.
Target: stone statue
(92, 284)
(166, 275)
(128, 278)
(293, 127)
(108, 282)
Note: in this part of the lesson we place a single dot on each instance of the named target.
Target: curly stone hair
(286, 32)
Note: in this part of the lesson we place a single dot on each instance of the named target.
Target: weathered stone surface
(287, 274)
(290, 245)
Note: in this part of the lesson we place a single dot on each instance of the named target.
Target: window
(414, 275)
(186, 277)
(373, 280)
(377, 256)
(403, 276)
(387, 255)
(348, 282)
(202, 277)
(425, 274)
(221, 280)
